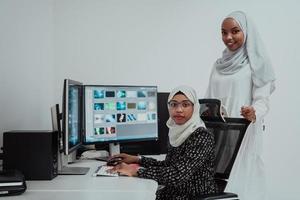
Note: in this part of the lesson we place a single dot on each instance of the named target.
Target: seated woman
(188, 169)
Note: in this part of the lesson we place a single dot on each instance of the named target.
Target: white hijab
(252, 52)
(179, 133)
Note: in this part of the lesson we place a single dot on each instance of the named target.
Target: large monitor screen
(120, 113)
(72, 124)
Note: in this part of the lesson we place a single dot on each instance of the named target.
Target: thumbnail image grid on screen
(120, 113)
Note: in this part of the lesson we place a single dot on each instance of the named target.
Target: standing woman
(243, 79)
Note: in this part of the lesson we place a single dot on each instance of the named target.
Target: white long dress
(247, 177)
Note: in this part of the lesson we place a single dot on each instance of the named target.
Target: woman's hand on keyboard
(125, 169)
(126, 158)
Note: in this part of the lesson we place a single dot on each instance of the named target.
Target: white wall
(26, 64)
(157, 42)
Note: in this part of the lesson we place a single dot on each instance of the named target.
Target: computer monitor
(152, 147)
(71, 115)
(71, 125)
(116, 113)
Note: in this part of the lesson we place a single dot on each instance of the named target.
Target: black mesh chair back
(228, 139)
(229, 134)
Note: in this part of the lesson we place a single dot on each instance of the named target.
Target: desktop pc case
(34, 153)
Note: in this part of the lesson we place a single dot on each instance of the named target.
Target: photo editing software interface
(120, 113)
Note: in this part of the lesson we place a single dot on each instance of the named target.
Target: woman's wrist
(254, 119)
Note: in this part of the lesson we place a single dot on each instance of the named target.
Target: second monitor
(114, 114)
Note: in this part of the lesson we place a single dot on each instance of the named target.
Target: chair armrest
(220, 196)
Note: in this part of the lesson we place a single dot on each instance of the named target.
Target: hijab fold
(252, 52)
(179, 133)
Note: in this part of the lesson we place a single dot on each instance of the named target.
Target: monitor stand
(63, 169)
(114, 148)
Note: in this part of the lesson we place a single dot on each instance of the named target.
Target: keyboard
(103, 171)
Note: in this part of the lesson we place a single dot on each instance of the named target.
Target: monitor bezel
(84, 142)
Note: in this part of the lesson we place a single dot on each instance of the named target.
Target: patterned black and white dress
(188, 169)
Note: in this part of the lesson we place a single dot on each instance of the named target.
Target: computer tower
(34, 153)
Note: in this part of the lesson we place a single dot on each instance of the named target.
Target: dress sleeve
(261, 100)
(147, 162)
(199, 147)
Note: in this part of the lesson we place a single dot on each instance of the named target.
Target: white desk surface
(87, 187)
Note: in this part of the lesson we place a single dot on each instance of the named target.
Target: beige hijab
(252, 52)
(179, 133)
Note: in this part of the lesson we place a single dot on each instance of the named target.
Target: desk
(87, 187)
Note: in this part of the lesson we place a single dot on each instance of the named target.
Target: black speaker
(34, 153)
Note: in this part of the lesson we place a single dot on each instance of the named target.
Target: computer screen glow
(72, 111)
(120, 113)
(74, 116)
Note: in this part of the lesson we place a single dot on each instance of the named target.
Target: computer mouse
(114, 161)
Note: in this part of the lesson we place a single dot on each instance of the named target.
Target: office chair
(229, 134)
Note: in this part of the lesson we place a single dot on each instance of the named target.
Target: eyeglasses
(184, 104)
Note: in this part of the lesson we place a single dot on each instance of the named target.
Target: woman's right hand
(125, 169)
(248, 112)
(126, 158)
